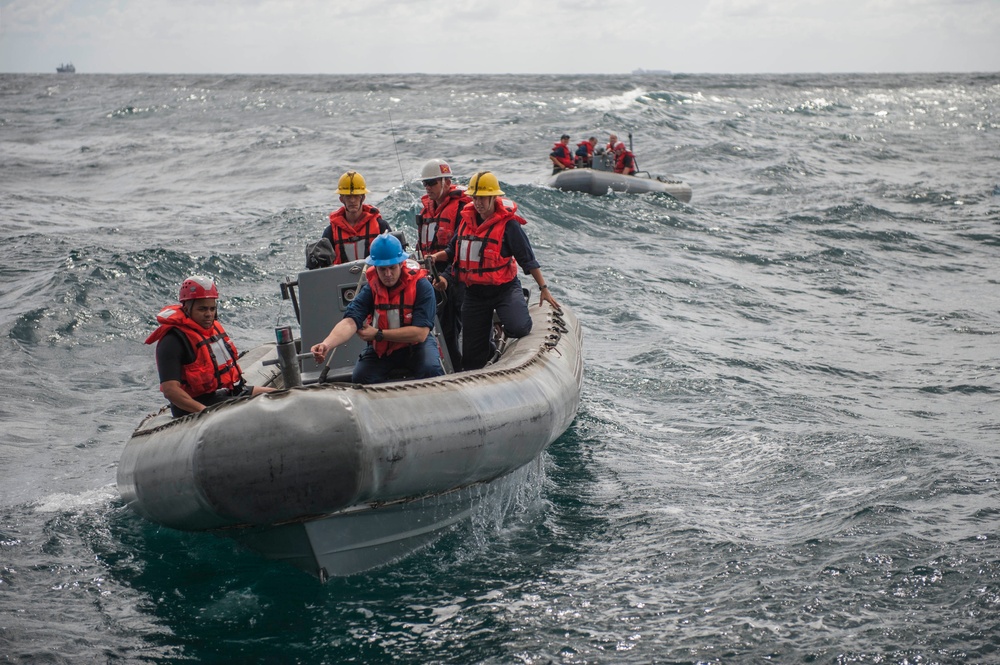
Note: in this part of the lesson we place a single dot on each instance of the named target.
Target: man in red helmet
(624, 160)
(195, 358)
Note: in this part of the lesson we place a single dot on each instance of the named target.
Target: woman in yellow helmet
(355, 224)
(484, 254)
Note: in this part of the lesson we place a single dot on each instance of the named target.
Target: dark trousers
(418, 361)
(450, 316)
(508, 302)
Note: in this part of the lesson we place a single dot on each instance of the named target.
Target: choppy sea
(788, 448)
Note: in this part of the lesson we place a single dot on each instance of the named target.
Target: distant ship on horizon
(651, 71)
(67, 68)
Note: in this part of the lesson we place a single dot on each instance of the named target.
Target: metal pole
(288, 359)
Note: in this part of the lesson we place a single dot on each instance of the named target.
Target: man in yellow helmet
(355, 224)
(484, 254)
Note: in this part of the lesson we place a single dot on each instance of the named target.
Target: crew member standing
(355, 224)
(484, 255)
(436, 223)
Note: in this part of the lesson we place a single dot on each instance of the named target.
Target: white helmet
(436, 168)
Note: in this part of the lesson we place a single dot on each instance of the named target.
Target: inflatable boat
(601, 179)
(337, 478)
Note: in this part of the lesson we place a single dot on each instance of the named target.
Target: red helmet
(197, 287)
(620, 147)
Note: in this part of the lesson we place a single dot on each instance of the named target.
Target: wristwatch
(379, 335)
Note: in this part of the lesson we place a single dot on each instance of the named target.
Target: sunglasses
(431, 182)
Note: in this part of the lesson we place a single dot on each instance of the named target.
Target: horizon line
(637, 72)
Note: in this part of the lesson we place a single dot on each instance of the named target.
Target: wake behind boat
(602, 179)
(337, 478)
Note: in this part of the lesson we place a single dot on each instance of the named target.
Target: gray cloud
(513, 36)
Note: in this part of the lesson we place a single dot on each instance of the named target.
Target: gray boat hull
(363, 537)
(370, 471)
(599, 183)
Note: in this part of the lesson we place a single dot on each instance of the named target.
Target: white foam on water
(61, 502)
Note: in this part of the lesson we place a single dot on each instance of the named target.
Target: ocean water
(788, 448)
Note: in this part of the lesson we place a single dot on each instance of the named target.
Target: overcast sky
(500, 36)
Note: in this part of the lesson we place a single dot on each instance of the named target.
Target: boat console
(320, 298)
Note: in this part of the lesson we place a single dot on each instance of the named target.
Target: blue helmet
(386, 250)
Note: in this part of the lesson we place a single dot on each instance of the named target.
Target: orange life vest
(435, 227)
(394, 307)
(623, 159)
(215, 354)
(586, 159)
(478, 259)
(562, 154)
(351, 243)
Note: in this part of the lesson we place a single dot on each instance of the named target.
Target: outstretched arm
(341, 332)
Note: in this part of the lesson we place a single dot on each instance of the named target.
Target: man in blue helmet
(399, 301)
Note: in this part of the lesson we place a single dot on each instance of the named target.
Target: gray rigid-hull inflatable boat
(336, 478)
(601, 179)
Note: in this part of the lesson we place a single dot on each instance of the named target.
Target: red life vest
(435, 227)
(590, 147)
(394, 307)
(478, 259)
(623, 159)
(562, 155)
(215, 354)
(351, 243)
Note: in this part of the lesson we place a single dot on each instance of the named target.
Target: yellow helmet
(352, 182)
(484, 183)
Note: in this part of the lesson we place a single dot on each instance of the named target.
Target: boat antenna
(635, 164)
(396, 148)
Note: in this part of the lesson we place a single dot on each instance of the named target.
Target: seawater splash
(512, 496)
(61, 503)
